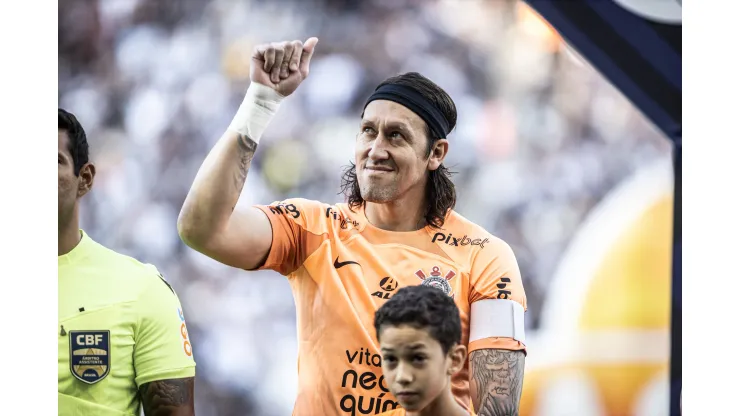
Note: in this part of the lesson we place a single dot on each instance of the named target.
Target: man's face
(415, 368)
(71, 186)
(391, 152)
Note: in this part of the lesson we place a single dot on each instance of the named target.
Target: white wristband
(259, 106)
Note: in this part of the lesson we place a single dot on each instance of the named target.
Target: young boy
(419, 333)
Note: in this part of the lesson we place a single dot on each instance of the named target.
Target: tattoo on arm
(498, 376)
(245, 153)
(173, 397)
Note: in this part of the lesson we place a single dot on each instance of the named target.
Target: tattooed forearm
(245, 153)
(497, 376)
(173, 397)
(496, 405)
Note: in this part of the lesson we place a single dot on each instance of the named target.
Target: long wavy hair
(440, 191)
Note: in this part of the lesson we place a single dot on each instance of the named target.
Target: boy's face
(415, 367)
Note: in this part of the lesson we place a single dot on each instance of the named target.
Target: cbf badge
(89, 355)
(436, 280)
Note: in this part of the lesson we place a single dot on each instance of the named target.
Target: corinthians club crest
(435, 279)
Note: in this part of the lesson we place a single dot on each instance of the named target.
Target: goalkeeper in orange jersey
(397, 228)
(419, 332)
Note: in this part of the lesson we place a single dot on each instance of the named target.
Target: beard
(377, 193)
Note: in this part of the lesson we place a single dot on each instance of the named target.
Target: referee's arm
(172, 397)
(163, 355)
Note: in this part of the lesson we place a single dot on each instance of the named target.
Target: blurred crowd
(541, 138)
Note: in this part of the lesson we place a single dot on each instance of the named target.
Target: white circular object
(661, 11)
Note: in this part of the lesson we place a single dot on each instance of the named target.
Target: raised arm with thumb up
(282, 66)
(209, 221)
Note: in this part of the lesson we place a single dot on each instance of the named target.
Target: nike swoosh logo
(337, 264)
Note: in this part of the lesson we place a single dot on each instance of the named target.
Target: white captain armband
(501, 318)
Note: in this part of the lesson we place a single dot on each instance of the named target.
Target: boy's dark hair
(441, 195)
(422, 307)
(78, 147)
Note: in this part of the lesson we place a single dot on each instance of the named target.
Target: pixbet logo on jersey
(455, 241)
(436, 280)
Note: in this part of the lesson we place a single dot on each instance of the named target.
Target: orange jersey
(401, 412)
(394, 412)
(342, 269)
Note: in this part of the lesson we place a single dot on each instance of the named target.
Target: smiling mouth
(379, 169)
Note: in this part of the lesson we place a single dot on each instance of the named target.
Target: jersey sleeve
(494, 274)
(299, 226)
(162, 347)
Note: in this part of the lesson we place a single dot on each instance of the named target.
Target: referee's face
(391, 153)
(71, 186)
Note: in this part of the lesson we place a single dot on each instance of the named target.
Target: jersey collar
(79, 252)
